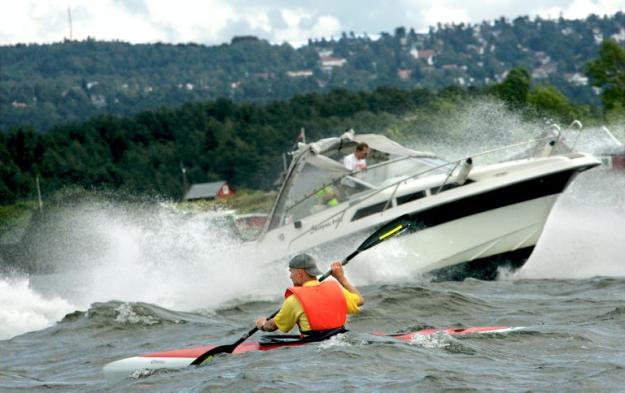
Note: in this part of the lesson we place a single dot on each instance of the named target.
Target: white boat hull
(478, 236)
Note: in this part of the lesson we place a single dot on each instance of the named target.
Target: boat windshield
(323, 182)
(386, 173)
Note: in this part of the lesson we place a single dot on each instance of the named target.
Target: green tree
(608, 73)
(515, 87)
(547, 100)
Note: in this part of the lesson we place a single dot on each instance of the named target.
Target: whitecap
(23, 309)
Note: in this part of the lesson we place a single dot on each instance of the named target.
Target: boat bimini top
(318, 166)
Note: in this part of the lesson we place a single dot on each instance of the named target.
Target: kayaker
(319, 309)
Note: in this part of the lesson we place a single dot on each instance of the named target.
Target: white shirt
(352, 163)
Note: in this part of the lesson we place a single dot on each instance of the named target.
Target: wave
(127, 315)
(397, 296)
(24, 309)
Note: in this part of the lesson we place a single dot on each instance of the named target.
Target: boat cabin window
(316, 189)
(389, 173)
(410, 197)
(369, 210)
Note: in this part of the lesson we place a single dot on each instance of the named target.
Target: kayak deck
(180, 358)
(451, 331)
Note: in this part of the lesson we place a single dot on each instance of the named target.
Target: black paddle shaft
(389, 230)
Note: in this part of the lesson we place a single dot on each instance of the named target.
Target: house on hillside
(207, 191)
(299, 74)
(329, 62)
(620, 36)
(576, 78)
(427, 54)
(543, 71)
(597, 35)
(404, 74)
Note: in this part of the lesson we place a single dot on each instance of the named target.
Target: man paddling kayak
(319, 309)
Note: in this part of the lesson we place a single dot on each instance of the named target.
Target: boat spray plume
(151, 252)
(584, 235)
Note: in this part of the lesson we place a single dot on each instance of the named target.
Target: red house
(214, 190)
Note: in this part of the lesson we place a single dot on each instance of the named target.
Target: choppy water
(154, 280)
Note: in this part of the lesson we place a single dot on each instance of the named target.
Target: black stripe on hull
(487, 268)
(523, 191)
(484, 268)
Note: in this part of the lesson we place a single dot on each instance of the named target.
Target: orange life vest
(324, 304)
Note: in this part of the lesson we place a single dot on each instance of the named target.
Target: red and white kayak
(180, 358)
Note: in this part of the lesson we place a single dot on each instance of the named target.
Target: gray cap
(306, 262)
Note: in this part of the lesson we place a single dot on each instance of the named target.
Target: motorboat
(472, 215)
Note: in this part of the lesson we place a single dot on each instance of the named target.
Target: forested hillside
(45, 85)
(243, 143)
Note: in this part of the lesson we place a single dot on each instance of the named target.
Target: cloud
(28, 22)
(133, 6)
(192, 20)
(581, 8)
(300, 25)
(444, 15)
(326, 26)
(217, 21)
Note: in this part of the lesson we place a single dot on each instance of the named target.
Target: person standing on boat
(357, 160)
(319, 309)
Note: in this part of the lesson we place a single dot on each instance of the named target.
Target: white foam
(584, 235)
(338, 340)
(431, 341)
(23, 309)
(156, 255)
(126, 315)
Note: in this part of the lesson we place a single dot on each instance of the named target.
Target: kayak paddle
(389, 230)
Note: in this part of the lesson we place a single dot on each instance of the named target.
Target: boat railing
(451, 165)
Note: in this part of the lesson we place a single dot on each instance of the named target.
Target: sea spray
(469, 128)
(584, 234)
(150, 253)
(158, 254)
(487, 124)
(24, 309)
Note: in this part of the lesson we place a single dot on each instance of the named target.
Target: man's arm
(284, 320)
(339, 274)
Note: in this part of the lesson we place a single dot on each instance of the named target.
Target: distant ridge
(45, 85)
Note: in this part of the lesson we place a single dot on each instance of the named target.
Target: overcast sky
(217, 21)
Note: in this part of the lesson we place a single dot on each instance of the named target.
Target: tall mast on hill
(69, 18)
